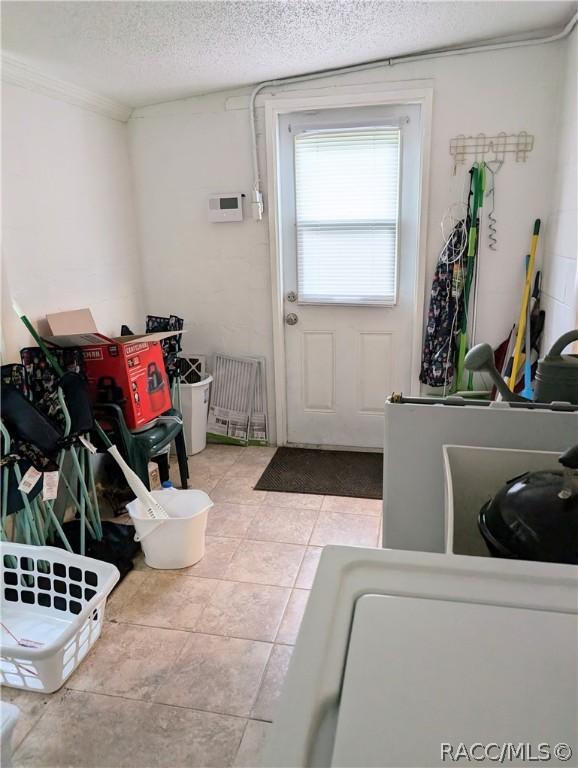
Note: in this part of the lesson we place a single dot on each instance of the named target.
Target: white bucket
(194, 408)
(179, 540)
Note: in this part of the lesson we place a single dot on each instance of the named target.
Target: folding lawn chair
(29, 439)
(56, 425)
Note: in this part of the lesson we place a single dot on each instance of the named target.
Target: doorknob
(291, 319)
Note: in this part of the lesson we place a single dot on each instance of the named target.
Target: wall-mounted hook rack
(491, 148)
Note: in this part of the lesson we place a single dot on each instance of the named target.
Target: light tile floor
(191, 662)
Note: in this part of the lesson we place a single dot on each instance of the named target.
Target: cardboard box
(124, 369)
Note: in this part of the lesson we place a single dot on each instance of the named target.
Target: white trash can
(195, 407)
(179, 540)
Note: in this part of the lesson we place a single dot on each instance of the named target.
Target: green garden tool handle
(478, 183)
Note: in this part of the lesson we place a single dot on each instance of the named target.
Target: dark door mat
(329, 473)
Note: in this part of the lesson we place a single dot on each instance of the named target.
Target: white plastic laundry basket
(179, 540)
(52, 612)
(195, 407)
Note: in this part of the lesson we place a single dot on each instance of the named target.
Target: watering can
(556, 377)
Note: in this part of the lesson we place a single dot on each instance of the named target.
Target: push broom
(151, 506)
(526, 294)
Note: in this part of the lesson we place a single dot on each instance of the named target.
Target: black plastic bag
(117, 545)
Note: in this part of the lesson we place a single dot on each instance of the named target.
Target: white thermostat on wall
(226, 207)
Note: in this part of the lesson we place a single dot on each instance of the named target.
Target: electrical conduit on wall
(257, 194)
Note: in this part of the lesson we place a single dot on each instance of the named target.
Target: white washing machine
(402, 655)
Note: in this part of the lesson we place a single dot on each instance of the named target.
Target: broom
(151, 506)
(526, 296)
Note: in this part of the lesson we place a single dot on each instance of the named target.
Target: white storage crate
(52, 613)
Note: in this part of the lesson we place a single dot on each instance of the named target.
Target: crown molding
(17, 72)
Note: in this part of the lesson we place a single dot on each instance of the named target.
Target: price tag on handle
(50, 485)
(31, 477)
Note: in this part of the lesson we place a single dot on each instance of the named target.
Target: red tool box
(128, 370)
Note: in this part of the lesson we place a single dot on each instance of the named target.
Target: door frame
(372, 95)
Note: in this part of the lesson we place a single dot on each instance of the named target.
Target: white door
(349, 197)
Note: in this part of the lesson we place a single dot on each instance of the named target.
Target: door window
(347, 214)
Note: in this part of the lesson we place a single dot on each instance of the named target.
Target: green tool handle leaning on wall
(478, 183)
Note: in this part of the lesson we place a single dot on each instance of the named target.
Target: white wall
(561, 265)
(217, 276)
(69, 232)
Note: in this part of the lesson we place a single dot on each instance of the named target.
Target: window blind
(346, 196)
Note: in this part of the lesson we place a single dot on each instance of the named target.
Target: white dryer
(403, 653)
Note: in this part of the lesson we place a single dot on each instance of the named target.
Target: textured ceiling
(146, 52)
